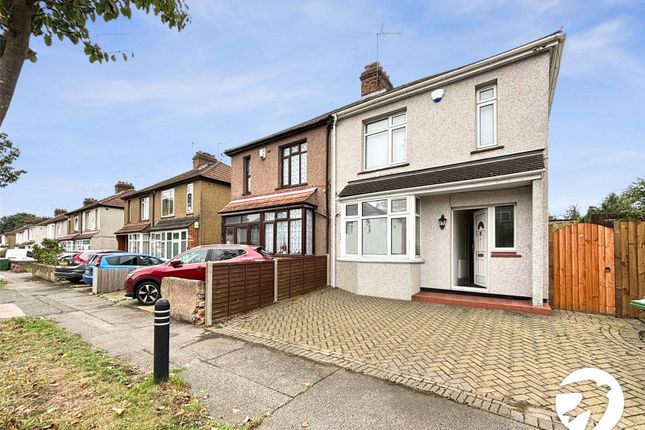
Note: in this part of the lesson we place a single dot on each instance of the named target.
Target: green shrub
(47, 252)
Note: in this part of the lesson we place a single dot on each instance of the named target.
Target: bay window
(487, 116)
(385, 142)
(139, 243)
(379, 228)
(167, 244)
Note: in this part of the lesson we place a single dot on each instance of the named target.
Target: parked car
(73, 268)
(117, 261)
(19, 255)
(145, 284)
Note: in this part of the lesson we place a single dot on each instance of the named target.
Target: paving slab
(10, 310)
(346, 400)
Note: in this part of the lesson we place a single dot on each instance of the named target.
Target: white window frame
(189, 192)
(390, 130)
(144, 209)
(164, 240)
(75, 223)
(171, 196)
(481, 104)
(494, 247)
(82, 245)
(410, 238)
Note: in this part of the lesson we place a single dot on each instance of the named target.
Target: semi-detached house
(176, 214)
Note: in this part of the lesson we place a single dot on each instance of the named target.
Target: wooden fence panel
(630, 266)
(582, 267)
(109, 280)
(300, 275)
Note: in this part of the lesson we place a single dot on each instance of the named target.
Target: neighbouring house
(56, 226)
(442, 182)
(279, 191)
(93, 225)
(179, 213)
(10, 239)
(29, 235)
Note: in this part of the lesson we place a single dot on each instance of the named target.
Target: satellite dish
(437, 95)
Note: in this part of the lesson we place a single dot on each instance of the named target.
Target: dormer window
(487, 116)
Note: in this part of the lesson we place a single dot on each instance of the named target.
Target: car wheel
(148, 293)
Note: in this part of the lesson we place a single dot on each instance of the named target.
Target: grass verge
(51, 379)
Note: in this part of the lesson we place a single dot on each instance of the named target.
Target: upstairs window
(386, 142)
(189, 199)
(487, 116)
(76, 226)
(145, 208)
(168, 203)
(246, 170)
(294, 164)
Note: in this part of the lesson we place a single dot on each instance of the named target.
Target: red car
(144, 283)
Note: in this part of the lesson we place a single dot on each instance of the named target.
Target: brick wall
(193, 236)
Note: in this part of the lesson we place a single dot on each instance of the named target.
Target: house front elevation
(169, 217)
(441, 183)
(279, 191)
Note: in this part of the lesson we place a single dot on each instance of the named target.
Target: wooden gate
(582, 269)
(630, 266)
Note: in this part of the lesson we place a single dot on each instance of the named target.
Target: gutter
(459, 74)
(333, 201)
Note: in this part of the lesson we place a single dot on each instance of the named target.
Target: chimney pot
(374, 79)
(122, 186)
(89, 200)
(203, 159)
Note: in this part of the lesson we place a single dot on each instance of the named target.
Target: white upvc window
(90, 220)
(144, 205)
(486, 116)
(381, 228)
(168, 203)
(167, 244)
(76, 225)
(59, 229)
(81, 245)
(189, 198)
(51, 231)
(385, 142)
(139, 243)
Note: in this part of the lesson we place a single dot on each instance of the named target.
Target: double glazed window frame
(288, 153)
(411, 214)
(493, 224)
(483, 101)
(190, 198)
(144, 208)
(139, 243)
(166, 239)
(170, 196)
(246, 175)
(389, 130)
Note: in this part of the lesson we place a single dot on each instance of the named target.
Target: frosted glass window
(376, 150)
(398, 236)
(375, 236)
(399, 151)
(282, 236)
(351, 237)
(268, 238)
(376, 126)
(295, 235)
(486, 125)
(295, 213)
(269, 216)
(310, 232)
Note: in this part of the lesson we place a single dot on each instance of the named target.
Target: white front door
(480, 248)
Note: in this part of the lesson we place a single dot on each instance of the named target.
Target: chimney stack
(58, 211)
(203, 159)
(122, 186)
(374, 80)
(88, 201)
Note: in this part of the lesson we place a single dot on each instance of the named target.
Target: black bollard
(162, 339)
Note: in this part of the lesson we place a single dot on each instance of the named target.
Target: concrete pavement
(237, 380)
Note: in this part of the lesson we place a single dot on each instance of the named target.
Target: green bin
(5, 264)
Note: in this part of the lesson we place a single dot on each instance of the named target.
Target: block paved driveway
(508, 363)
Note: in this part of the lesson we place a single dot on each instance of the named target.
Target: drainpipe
(333, 201)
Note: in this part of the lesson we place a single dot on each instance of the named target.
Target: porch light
(442, 222)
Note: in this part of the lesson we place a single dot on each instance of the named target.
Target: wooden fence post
(275, 280)
(208, 296)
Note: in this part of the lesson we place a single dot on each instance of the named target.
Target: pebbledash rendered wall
(444, 133)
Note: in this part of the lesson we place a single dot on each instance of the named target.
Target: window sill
(393, 166)
(381, 260)
(486, 149)
(505, 254)
(168, 216)
(286, 187)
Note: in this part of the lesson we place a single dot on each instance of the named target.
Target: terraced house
(279, 191)
(442, 182)
(93, 225)
(179, 213)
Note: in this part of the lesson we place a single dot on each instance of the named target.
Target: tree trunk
(15, 50)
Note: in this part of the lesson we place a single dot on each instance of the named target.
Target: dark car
(144, 284)
(72, 267)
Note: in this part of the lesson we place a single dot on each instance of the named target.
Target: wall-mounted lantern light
(442, 222)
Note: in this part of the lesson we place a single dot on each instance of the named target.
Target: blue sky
(242, 70)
